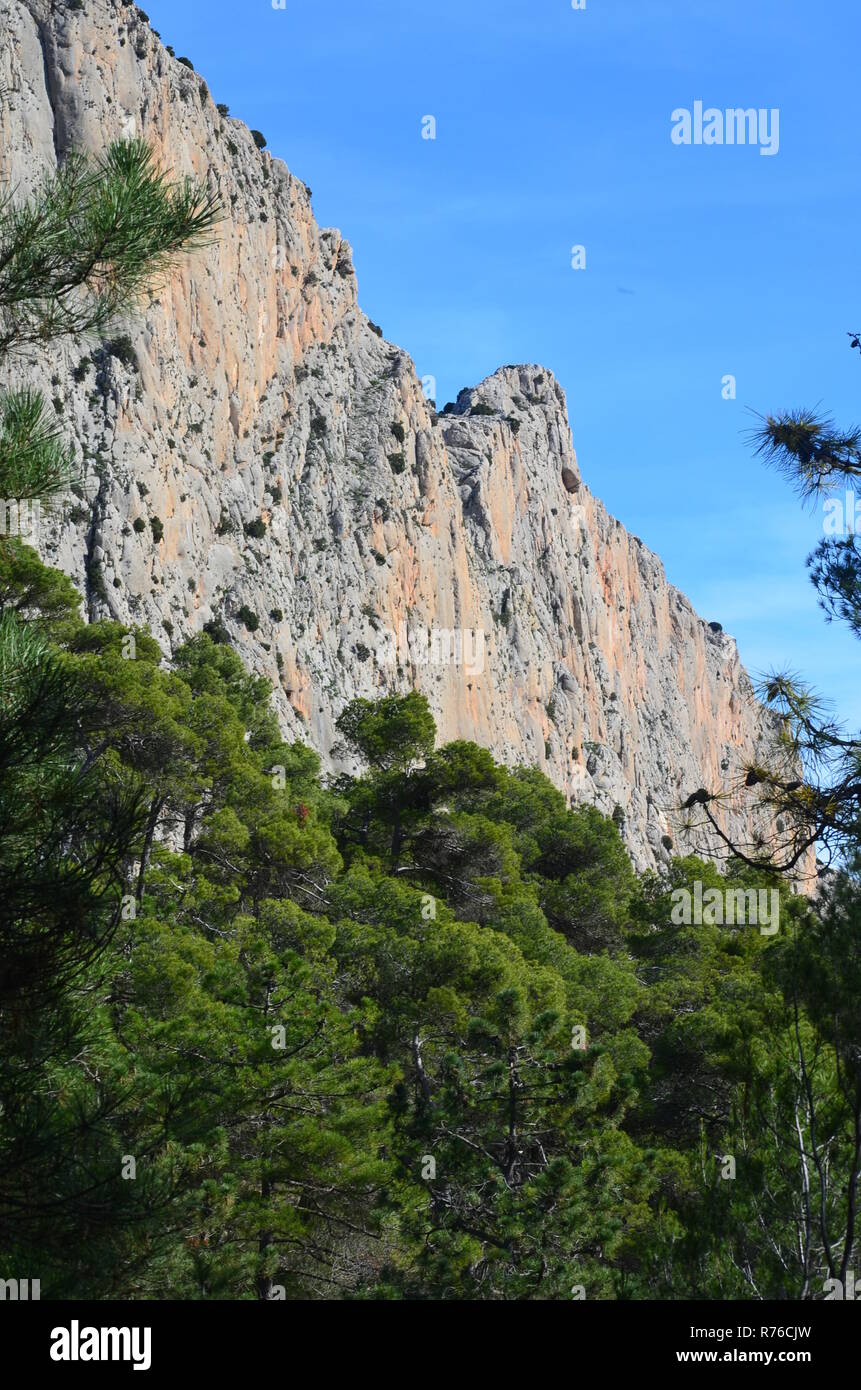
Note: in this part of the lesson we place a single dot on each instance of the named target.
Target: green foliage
(835, 571)
(34, 462)
(809, 449)
(82, 248)
(390, 734)
(72, 256)
(44, 598)
(434, 997)
(247, 616)
(122, 348)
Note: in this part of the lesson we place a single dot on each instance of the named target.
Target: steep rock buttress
(302, 481)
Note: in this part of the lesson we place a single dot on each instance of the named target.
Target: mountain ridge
(255, 456)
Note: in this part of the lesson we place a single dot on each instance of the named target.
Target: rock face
(255, 453)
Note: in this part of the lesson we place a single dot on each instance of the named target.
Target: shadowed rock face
(461, 554)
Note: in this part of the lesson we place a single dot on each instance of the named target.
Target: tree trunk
(155, 811)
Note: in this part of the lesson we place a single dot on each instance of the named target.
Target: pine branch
(96, 233)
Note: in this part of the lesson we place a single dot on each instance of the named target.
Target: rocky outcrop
(254, 454)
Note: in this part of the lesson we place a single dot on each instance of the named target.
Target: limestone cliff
(256, 453)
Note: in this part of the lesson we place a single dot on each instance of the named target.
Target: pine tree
(72, 257)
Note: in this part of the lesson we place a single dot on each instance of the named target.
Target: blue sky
(553, 130)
